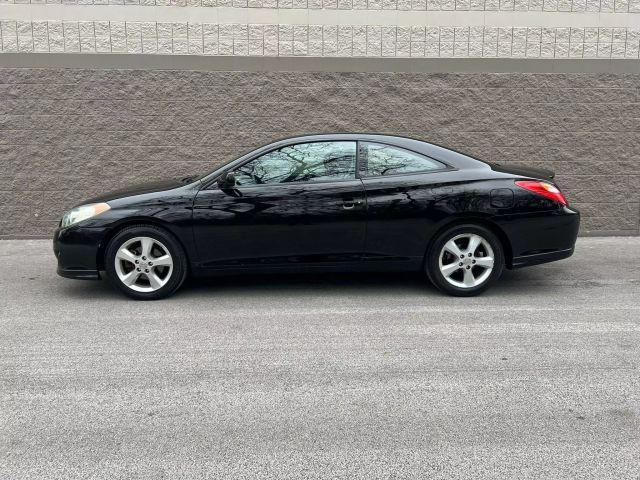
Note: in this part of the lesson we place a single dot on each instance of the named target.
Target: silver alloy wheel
(466, 261)
(143, 264)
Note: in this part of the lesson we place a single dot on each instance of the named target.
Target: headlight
(83, 212)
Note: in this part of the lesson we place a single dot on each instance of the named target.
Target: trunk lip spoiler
(532, 172)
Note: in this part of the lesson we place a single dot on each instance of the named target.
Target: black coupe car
(324, 203)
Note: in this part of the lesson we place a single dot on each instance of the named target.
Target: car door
(401, 187)
(300, 204)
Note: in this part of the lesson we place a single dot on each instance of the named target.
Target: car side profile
(341, 202)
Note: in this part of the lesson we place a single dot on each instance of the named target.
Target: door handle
(350, 204)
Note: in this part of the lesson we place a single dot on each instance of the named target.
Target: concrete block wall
(68, 134)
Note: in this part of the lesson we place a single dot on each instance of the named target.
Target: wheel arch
(481, 221)
(132, 222)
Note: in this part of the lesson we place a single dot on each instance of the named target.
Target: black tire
(179, 269)
(432, 261)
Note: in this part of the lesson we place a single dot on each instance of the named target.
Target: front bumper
(78, 274)
(76, 249)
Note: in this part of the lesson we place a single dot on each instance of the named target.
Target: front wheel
(464, 260)
(145, 262)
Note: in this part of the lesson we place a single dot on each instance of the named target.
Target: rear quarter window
(380, 160)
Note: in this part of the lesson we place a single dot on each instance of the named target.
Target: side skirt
(361, 266)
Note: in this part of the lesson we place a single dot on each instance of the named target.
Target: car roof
(450, 157)
(437, 152)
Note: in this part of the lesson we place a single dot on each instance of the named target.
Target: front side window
(304, 162)
(387, 160)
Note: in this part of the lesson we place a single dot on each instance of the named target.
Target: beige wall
(68, 134)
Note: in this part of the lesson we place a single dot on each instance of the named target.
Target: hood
(142, 188)
(539, 173)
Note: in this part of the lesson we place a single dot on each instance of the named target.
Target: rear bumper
(76, 250)
(540, 237)
(538, 258)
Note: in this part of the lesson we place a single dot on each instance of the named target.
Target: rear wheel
(145, 262)
(465, 260)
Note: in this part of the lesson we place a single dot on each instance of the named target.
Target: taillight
(544, 189)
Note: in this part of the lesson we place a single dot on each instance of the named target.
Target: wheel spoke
(474, 243)
(163, 261)
(146, 255)
(452, 248)
(469, 279)
(486, 262)
(130, 278)
(154, 281)
(448, 270)
(147, 246)
(126, 255)
(467, 261)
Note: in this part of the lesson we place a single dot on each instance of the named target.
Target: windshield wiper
(190, 178)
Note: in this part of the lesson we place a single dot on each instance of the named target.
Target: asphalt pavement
(323, 376)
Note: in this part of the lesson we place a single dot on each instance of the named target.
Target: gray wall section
(67, 134)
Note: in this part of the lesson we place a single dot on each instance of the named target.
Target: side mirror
(227, 180)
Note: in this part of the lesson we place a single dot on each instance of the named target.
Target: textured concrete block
(164, 29)
(88, 45)
(40, 44)
(475, 49)
(23, 28)
(71, 45)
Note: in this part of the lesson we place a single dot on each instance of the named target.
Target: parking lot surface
(323, 376)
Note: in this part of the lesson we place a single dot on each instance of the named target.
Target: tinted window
(386, 160)
(305, 162)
